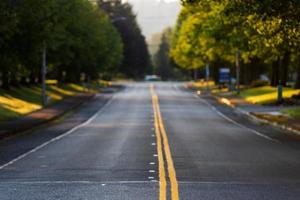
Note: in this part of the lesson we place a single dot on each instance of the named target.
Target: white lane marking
(58, 137)
(152, 163)
(151, 177)
(153, 144)
(236, 123)
(72, 182)
(128, 182)
(151, 171)
(155, 155)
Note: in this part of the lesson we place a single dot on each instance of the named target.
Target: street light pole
(43, 73)
(238, 72)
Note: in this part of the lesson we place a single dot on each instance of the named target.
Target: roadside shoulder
(246, 118)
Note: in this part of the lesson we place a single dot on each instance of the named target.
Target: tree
(8, 30)
(79, 38)
(136, 62)
(164, 66)
(265, 32)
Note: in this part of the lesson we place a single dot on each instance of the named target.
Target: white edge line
(132, 182)
(74, 182)
(58, 137)
(236, 123)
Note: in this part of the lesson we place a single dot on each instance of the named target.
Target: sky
(155, 15)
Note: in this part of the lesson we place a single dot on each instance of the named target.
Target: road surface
(150, 141)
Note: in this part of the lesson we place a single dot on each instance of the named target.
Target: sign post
(207, 76)
(224, 75)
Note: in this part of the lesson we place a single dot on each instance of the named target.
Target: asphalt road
(141, 137)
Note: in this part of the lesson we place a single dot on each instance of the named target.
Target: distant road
(151, 141)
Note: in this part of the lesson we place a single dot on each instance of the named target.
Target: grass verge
(266, 94)
(24, 100)
(294, 113)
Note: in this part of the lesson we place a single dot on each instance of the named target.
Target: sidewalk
(264, 113)
(52, 112)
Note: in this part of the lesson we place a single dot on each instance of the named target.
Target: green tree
(164, 66)
(265, 32)
(8, 30)
(136, 62)
(78, 36)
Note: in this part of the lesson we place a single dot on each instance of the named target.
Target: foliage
(164, 66)
(78, 36)
(264, 32)
(136, 62)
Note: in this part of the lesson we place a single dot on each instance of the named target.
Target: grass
(21, 101)
(294, 113)
(266, 94)
(203, 84)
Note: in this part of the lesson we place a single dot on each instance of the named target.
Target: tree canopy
(266, 33)
(136, 62)
(79, 38)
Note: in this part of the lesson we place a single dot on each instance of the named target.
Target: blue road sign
(224, 75)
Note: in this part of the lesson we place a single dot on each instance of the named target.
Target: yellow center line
(163, 144)
(162, 173)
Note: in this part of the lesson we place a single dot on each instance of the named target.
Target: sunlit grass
(75, 87)
(266, 94)
(217, 90)
(17, 105)
(203, 84)
(51, 82)
(104, 83)
(21, 101)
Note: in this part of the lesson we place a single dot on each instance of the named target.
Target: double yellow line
(164, 153)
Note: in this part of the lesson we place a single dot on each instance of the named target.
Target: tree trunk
(32, 78)
(275, 74)
(298, 76)
(14, 80)
(285, 68)
(195, 74)
(5, 79)
(59, 76)
(23, 80)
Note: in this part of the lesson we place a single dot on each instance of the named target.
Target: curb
(251, 115)
(38, 123)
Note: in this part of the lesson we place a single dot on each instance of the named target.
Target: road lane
(216, 159)
(163, 149)
(114, 154)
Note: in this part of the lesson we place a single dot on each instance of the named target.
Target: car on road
(152, 78)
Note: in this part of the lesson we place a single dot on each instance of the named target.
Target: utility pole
(207, 75)
(44, 72)
(238, 69)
